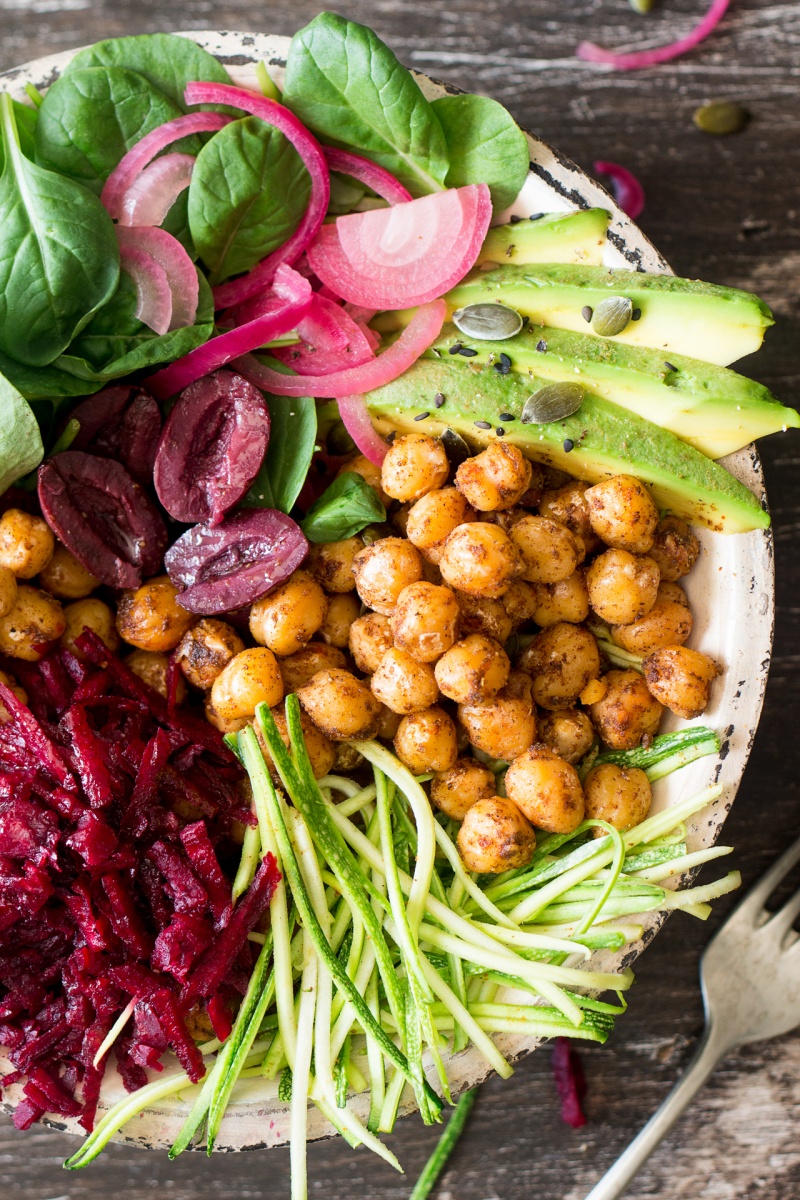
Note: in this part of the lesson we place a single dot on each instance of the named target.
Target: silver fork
(750, 976)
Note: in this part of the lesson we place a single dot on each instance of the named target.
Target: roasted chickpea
(152, 667)
(567, 505)
(674, 548)
(369, 472)
(404, 684)
(560, 660)
(681, 679)
(425, 621)
(622, 513)
(594, 691)
(331, 564)
(426, 741)
(8, 590)
(547, 789)
(619, 796)
(495, 836)
(388, 724)
(252, 677)
(20, 693)
(89, 614)
(567, 600)
(497, 478)
(473, 671)
(151, 618)
(669, 623)
(548, 550)
(568, 732)
(223, 724)
(520, 602)
(370, 638)
(321, 750)
(298, 668)
(342, 612)
(505, 726)
(627, 712)
(65, 577)
(455, 791)
(26, 543)
(506, 518)
(290, 615)
(622, 586)
(414, 465)
(206, 649)
(479, 614)
(340, 705)
(383, 569)
(479, 559)
(34, 622)
(434, 517)
(346, 758)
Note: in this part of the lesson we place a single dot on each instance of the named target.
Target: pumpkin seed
(721, 117)
(552, 403)
(488, 322)
(612, 315)
(641, 6)
(455, 447)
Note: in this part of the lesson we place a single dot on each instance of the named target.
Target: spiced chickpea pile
(403, 633)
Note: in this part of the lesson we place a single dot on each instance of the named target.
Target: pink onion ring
(137, 158)
(420, 333)
(179, 269)
(153, 193)
(628, 192)
(331, 341)
(369, 173)
(153, 293)
(309, 149)
(650, 58)
(357, 422)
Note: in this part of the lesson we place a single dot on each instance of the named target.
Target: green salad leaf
(26, 118)
(248, 193)
(59, 261)
(343, 510)
(347, 86)
(485, 145)
(21, 446)
(292, 436)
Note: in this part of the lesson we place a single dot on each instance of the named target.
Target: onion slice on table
(405, 255)
(381, 181)
(650, 58)
(358, 423)
(178, 268)
(628, 192)
(309, 149)
(153, 193)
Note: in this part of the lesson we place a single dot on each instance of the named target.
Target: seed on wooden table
(721, 117)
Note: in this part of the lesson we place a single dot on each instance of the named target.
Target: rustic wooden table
(727, 210)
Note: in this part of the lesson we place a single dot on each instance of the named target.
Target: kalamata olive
(235, 563)
(211, 448)
(122, 423)
(103, 517)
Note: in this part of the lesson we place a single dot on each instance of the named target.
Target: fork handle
(711, 1050)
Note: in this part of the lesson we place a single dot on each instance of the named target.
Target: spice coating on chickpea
(414, 465)
(568, 732)
(681, 679)
(479, 559)
(621, 796)
(549, 552)
(426, 741)
(425, 621)
(343, 609)
(321, 750)
(383, 569)
(547, 789)
(403, 684)
(26, 543)
(473, 671)
(150, 617)
(505, 726)
(370, 637)
(622, 513)
(340, 705)
(297, 669)
(567, 600)
(206, 649)
(331, 564)
(519, 602)
(290, 615)
(622, 586)
(675, 548)
(65, 578)
(8, 591)
(152, 668)
(455, 790)
(627, 712)
(34, 622)
(561, 661)
(669, 623)
(495, 836)
(223, 724)
(497, 478)
(567, 505)
(250, 678)
(432, 519)
(479, 614)
(89, 614)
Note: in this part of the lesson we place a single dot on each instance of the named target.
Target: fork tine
(784, 918)
(758, 895)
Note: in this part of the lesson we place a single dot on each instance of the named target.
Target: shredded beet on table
(570, 1082)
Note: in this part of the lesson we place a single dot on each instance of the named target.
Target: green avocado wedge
(598, 441)
(577, 237)
(711, 407)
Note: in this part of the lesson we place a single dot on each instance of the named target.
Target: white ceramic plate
(731, 592)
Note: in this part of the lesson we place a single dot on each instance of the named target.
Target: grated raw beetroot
(570, 1081)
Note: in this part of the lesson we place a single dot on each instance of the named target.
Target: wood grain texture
(726, 210)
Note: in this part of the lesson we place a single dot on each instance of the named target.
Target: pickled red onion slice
(628, 192)
(150, 197)
(381, 181)
(332, 341)
(153, 293)
(179, 269)
(650, 58)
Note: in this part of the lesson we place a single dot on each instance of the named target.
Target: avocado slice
(599, 440)
(681, 316)
(577, 237)
(710, 407)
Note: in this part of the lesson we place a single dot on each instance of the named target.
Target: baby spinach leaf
(21, 446)
(45, 386)
(343, 510)
(59, 260)
(90, 118)
(348, 87)
(167, 60)
(248, 193)
(485, 145)
(292, 436)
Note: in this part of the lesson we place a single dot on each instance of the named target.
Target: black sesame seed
(504, 365)
(636, 315)
(525, 321)
(423, 416)
(670, 366)
(500, 431)
(515, 220)
(541, 346)
(587, 314)
(391, 436)
(535, 216)
(568, 445)
(467, 352)
(482, 425)
(507, 417)
(438, 400)
(456, 348)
